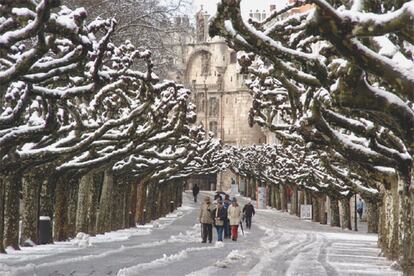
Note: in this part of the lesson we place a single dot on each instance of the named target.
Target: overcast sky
(247, 5)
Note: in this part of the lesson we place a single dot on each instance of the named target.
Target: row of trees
(338, 79)
(85, 137)
(309, 176)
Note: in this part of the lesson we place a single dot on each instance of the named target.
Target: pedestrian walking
(196, 190)
(226, 205)
(234, 214)
(220, 215)
(248, 213)
(360, 208)
(206, 220)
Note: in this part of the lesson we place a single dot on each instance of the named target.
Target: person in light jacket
(206, 220)
(234, 215)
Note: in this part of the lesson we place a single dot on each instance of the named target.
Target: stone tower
(209, 68)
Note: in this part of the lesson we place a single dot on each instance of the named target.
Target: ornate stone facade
(209, 68)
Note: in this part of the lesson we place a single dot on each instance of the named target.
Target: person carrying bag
(220, 215)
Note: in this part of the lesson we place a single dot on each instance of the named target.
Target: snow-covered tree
(150, 24)
(72, 105)
(346, 69)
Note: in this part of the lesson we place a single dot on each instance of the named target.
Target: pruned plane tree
(342, 73)
(73, 107)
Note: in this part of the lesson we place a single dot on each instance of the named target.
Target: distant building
(209, 67)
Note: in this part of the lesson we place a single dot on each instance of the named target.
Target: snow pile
(81, 240)
(165, 260)
(192, 235)
(120, 235)
(234, 257)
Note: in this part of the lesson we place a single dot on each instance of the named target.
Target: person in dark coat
(196, 190)
(220, 216)
(226, 205)
(248, 211)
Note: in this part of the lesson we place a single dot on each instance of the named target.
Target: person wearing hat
(220, 216)
(206, 220)
(248, 211)
(234, 214)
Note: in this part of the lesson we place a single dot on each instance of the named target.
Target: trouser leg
(219, 233)
(234, 229)
(210, 232)
(248, 222)
(205, 232)
(226, 229)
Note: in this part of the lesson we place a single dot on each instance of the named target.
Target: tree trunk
(180, 194)
(126, 204)
(84, 201)
(322, 209)
(105, 206)
(151, 203)
(346, 214)
(2, 197)
(335, 216)
(406, 226)
(278, 198)
(11, 210)
(117, 211)
(283, 199)
(72, 207)
(61, 208)
(389, 219)
(94, 202)
(316, 209)
(47, 195)
(372, 216)
(32, 183)
(271, 197)
(141, 200)
(294, 201)
(133, 203)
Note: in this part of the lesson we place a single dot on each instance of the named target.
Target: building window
(200, 102)
(213, 127)
(205, 63)
(213, 106)
(233, 57)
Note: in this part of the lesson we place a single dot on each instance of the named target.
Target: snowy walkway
(282, 245)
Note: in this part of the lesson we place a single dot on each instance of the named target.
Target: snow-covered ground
(278, 244)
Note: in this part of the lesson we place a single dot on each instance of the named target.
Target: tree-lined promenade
(335, 84)
(86, 138)
(92, 138)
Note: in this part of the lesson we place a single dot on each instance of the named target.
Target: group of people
(225, 215)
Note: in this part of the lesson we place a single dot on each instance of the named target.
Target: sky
(247, 5)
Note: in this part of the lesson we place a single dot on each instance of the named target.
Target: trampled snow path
(278, 244)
